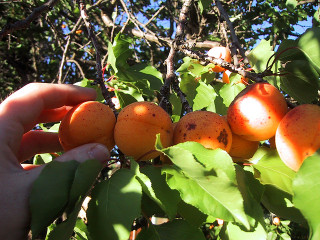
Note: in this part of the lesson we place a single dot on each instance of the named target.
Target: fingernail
(100, 153)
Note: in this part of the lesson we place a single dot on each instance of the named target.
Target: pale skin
(19, 113)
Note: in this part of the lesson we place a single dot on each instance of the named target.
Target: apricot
(207, 128)
(87, 122)
(242, 148)
(220, 52)
(298, 135)
(226, 78)
(257, 111)
(136, 129)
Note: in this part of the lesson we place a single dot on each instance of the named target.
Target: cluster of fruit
(258, 113)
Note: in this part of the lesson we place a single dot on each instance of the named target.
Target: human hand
(19, 113)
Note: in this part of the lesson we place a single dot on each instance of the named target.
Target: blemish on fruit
(191, 126)
(223, 137)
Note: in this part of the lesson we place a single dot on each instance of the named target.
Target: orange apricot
(226, 76)
(242, 148)
(136, 129)
(298, 135)
(87, 122)
(220, 52)
(257, 111)
(207, 128)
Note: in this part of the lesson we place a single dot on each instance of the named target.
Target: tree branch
(170, 75)
(92, 36)
(9, 28)
(235, 40)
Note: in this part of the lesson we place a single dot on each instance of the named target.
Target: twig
(92, 36)
(170, 75)
(9, 28)
(66, 48)
(235, 40)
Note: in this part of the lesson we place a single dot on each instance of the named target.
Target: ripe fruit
(136, 129)
(220, 52)
(87, 122)
(226, 78)
(298, 135)
(242, 148)
(207, 128)
(256, 112)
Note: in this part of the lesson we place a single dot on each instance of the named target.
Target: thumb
(85, 152)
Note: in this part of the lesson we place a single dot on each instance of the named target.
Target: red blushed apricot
(298, 135)
(136, 129)
(242, 148)
(207, 128)
(88, 122)
(220, 52)
(256, 112)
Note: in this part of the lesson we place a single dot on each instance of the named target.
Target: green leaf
(309, 42)
(188, 86)
(128, 96)
(119, 52)
(205, 96)
(307, 193)
(42, 158)
(234, 232)
(271, 170)
(300, 81)
(204, 4)
(291, 4)
(206, 179)
(260, 55)
(173, 230)
(114, 205)
(191, 214)
(50, 193)
(84, 178)
(229, 91)
(280, 203)
(168, 198)
(81, 230)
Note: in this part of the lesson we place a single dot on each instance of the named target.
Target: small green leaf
(114, 205)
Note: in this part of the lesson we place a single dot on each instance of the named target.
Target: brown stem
(92, 36)
(170, 76)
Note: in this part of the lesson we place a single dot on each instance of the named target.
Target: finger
(36, 142)
(79, 154)
(53, 115)
(28, 167)
(21, 111)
